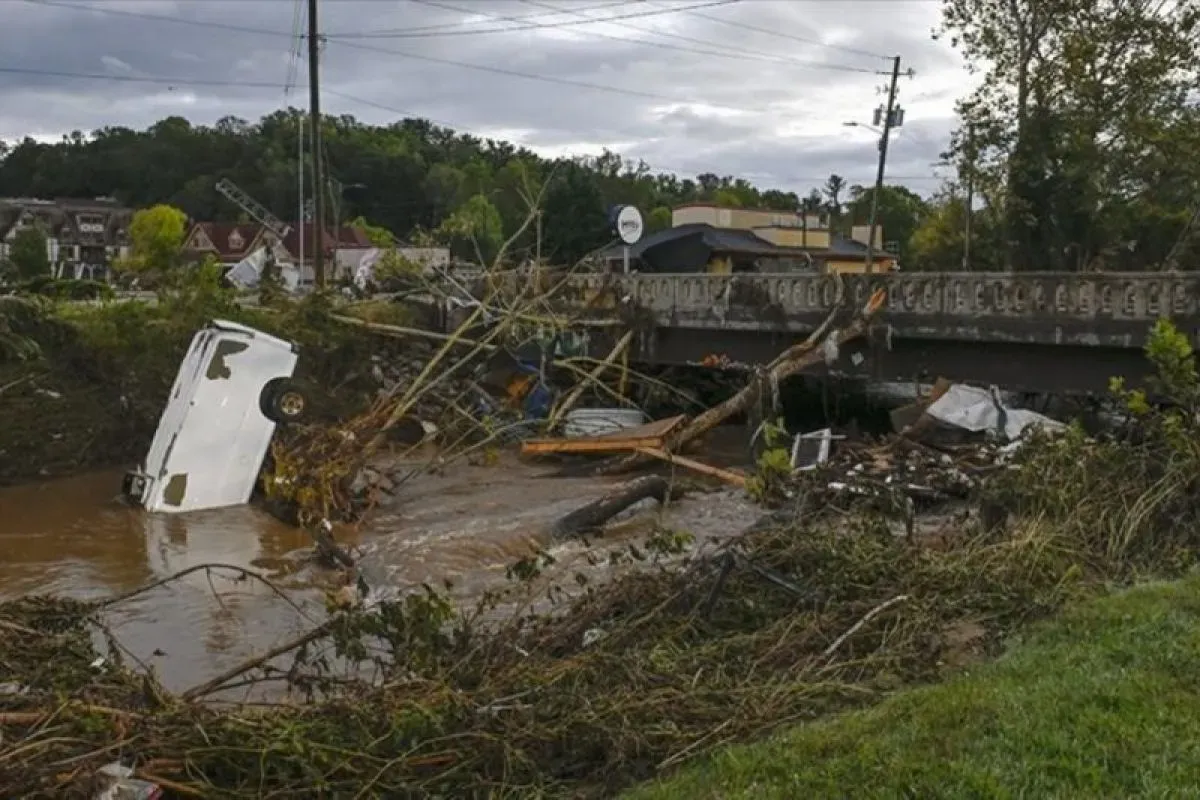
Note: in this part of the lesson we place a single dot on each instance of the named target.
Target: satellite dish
(629, 224)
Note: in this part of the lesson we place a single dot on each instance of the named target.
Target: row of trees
(1082, 143)
(412, 178)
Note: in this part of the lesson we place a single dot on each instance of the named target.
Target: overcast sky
(686, 85)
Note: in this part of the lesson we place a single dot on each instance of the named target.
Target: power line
(782, 35)
(294, 51)
(139, 78)
(158, 18)
(461, 23)
(714, 53)
(421, 30)
(512, 73)
(660, 168)
(383, 107)
(704, 42)
(657, 12)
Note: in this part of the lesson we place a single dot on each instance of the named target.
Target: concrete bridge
(1043, 332)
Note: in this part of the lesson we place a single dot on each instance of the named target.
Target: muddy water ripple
(75, 537)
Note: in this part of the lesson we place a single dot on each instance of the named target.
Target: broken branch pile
(817, 609)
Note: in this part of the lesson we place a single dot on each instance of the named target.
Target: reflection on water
(75, 537)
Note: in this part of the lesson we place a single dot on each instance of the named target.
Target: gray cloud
(696, 95)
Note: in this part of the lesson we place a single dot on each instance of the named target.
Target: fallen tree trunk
(592, 516)
(798, 358)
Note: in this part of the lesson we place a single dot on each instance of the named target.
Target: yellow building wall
(794, 237)
(693, 215)
(720, 265)
(857, 267)
(744, 219)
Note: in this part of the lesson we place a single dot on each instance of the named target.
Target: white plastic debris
(592, 635)
(979, 410)
(822, 438)
(829, 348)
(118, 783)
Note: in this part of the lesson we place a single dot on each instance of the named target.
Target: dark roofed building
(699, 247)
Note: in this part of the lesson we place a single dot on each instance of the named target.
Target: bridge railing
(1034, 295)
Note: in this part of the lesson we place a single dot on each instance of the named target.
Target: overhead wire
(121, 12)
(462, 23)
(371, 103)
(723, 53)
(654, 12)
(139, 78)
(661, 168)
(658, 45)
(293, 66)
(600, 87)
(296, 38)
(782, 35)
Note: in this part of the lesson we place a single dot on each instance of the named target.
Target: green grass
(1102, 702)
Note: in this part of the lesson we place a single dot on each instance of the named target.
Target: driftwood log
(592, 516)
(792, 361)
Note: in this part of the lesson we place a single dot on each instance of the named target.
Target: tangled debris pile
(818, 608)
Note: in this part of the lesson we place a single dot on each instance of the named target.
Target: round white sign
(629, 224)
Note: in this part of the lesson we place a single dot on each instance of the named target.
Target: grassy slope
(1103, 702)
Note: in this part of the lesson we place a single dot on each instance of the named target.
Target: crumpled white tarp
(247, 272)
(974, 409)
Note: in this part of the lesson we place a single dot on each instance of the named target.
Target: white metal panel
(220, 435)
(178, 402)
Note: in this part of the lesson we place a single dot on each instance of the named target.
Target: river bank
(87, 382)
(587, 668)
(822, 607)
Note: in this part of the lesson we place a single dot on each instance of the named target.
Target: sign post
(630, 227)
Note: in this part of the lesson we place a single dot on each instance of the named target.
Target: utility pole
(314, 106)
(888, 120)
(970, 207)
(300, 174)
(538, 257)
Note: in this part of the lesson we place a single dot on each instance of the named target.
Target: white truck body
(213, 434)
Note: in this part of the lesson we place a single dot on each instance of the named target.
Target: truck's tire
(283, 402)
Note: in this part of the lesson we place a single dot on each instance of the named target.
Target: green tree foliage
(156, 235)
(899, 214)
(938, 244)
(833, 189)
(659, 219)
(475, 231)
(380, 237)
(27, 253)
(1083, 134)
(414, 176)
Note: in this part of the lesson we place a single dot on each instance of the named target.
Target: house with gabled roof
(231, 242)
(83, 236)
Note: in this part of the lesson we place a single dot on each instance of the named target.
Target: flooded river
(74, 537)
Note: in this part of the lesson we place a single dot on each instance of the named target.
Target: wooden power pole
(888, 121)
(314, 105)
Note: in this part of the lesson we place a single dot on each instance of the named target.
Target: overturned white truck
(233, 387)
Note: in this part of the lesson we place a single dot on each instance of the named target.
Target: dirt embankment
(82, 387)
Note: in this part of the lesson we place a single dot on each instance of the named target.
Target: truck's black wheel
(283, 402)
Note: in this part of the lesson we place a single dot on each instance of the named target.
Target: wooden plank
(652, 434)
(588, 445)
(735, 478)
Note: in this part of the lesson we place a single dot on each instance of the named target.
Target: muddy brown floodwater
(74, 537)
